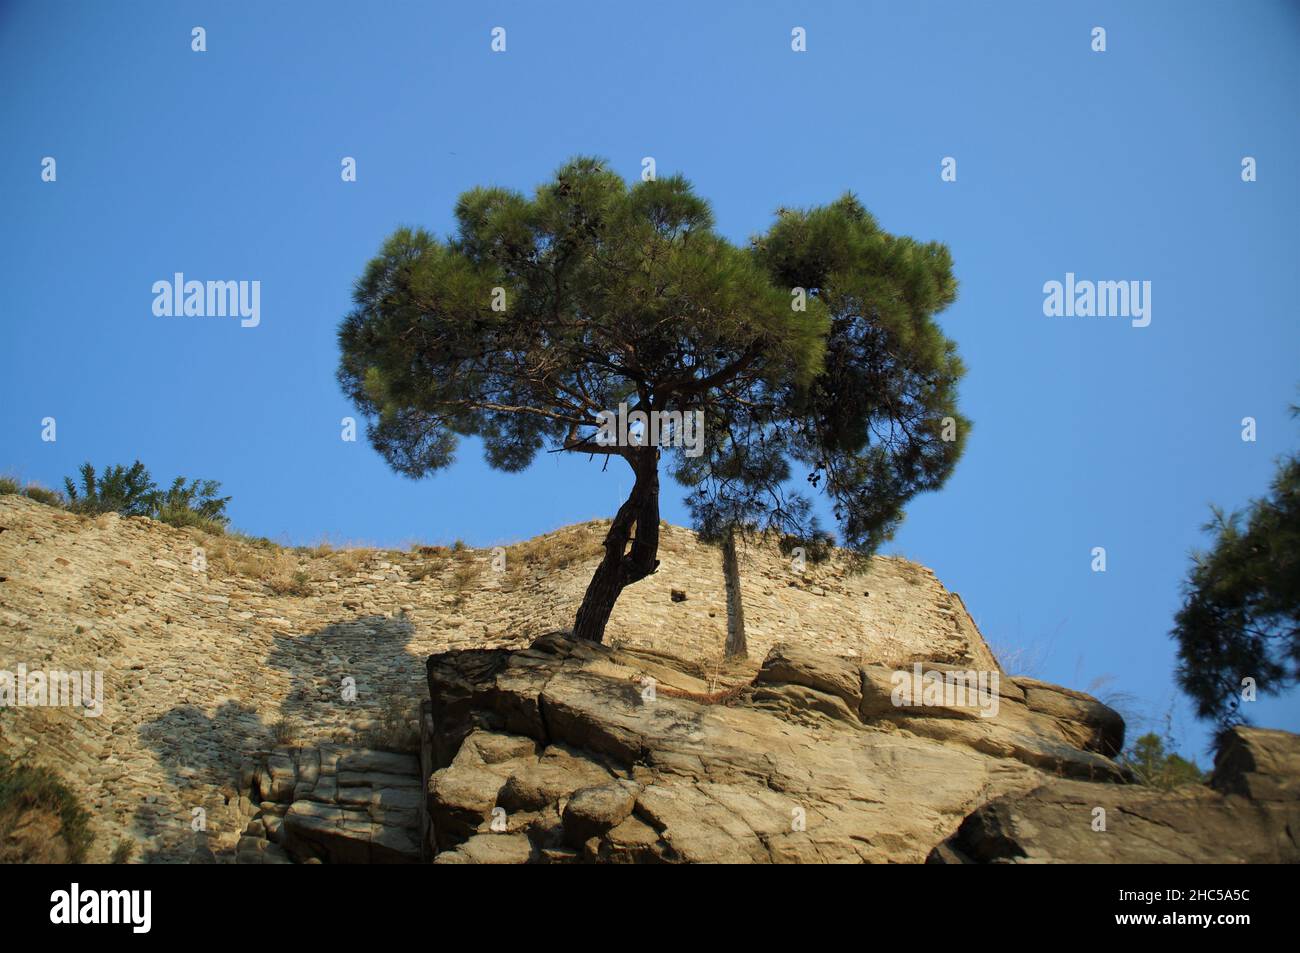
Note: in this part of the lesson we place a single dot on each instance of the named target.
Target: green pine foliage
(812, 354)
(130, 491)
(119, 489)
(1157, 767)
(1240, 616)
(195, 503)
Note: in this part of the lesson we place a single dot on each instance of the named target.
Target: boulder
(592, 812)
(641, 760)
(1248, 814)
(344, 805)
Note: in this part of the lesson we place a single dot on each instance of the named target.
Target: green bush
(193, 504)
(132, 492)
(9, 485)
(125, 490)
(1158, 768)
(25, 788)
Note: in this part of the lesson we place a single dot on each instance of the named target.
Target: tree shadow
(341, 677)
(345, 672)
(200, 754)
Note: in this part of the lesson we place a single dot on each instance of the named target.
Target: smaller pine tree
(1158, 768)
(119, 489)
(1240, 616)
(192, 504)
(130, 491)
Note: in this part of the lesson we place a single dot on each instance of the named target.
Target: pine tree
(119, 489)
(813, 349)
(1159, 768)
(1240, 616)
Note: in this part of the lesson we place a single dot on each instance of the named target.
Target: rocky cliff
(265, 704)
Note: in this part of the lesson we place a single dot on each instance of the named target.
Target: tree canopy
(811, 353)
(1240, 616)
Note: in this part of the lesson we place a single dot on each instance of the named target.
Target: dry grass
(422, 571)
(397, 728)
(285, 577)
(282, 571)
(464, 575)
(349, 560)
(558, 551)
(285, 730)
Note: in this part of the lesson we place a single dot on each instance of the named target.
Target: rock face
(333, 804)
(542, 750)
(569, 751)
(1249, 813)
(151, 607)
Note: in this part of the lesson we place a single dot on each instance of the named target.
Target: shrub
(193, 504)
(125, 490)
(285, 578)
(1158, 768)
(34, 491)
(285, 730)
(462, 577)
(9, 485)
(132, 492)
(421, 571)
(349, 560)
(261, 542)
(397, 730)
(26, 793)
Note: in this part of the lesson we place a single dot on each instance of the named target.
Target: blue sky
(1122, 165)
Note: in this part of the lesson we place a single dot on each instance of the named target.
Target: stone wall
(205, 669)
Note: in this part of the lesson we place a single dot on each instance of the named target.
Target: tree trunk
(736, 647)
(620, 568)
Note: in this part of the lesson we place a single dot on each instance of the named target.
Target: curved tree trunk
(736, 647)
(619, 567)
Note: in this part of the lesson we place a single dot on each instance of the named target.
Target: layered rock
(204, 659)
(333, 804)
(1249, 813)
(568, 751)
